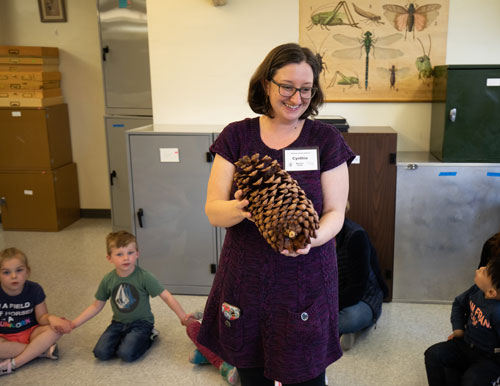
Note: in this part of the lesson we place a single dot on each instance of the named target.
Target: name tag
(301, 159)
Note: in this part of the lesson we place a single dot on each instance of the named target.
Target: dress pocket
(305, 328)
(230, 332)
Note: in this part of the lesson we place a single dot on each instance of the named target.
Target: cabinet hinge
(392, 158)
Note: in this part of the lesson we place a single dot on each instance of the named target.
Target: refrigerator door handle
(453, 114)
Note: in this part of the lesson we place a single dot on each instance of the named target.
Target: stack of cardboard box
(38, 178)
(29, 76)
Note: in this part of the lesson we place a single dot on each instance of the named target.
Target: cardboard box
(39, 200)
(29, 76)
(28, 51)
(10, 85)
(32, 138)
(30, 102)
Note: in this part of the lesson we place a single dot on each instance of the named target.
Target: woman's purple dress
(289, 305)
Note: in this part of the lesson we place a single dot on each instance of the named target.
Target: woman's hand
(303, 251)
(241, 205)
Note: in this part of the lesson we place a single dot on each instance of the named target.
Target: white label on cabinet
(170, 154)
(16, 113)
(493, 82)
(28, 192)
(356, 160)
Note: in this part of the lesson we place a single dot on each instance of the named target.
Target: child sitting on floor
(27, 330)
(129, 287)
(471, 355)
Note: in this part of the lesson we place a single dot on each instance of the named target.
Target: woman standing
(274, 315)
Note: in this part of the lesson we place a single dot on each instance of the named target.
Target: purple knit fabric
(274, 291)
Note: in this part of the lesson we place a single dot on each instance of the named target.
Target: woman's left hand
(303, 251)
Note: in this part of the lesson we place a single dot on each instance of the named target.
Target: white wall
(202, 58)
(80, 65)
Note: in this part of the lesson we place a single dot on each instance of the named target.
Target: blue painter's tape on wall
(493, 174)
(447, 174)
(118, 125)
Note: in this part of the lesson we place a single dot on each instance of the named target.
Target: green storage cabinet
(465, 119)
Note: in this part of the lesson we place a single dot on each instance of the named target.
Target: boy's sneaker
(154, 334)
(6, 367)
(52, 352)
(347, 341)
(197, 358)
(229, 373)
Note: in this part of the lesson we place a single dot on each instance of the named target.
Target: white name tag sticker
(301, 159)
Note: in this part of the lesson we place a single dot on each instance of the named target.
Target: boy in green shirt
(129, 287)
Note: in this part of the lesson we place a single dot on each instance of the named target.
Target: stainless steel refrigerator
(127, 87)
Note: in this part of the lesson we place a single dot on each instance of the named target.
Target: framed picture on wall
(52, 11)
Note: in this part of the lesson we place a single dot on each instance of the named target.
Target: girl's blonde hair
(10, 253)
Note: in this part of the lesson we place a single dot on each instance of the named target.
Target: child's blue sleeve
(460, 310)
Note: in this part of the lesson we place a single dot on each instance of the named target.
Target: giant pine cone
(284, 215)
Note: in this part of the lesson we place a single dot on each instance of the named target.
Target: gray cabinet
(444, 214)
(169, 173)
(116, 126)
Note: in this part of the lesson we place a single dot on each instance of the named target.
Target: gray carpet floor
(70, 264)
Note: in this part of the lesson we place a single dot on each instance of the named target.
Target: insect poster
(376, 50)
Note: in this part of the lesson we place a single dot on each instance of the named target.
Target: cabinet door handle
(453, 114)
(140, 214)
(111, 176)
(105, 50)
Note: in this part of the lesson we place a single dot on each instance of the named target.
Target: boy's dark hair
(494, 245)
(493, 271)
(119, 239)
(279, 57)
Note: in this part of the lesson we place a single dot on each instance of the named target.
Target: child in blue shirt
(471, 356)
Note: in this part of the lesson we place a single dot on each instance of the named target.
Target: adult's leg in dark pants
(254, 377)
(444, 362)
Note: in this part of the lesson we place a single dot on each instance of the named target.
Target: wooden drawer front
(29, 76)
(10, 85)
(28, 51)
(27, 60)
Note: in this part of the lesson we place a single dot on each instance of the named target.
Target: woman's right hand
(241, 205)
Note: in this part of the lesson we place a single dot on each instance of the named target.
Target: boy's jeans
(127, 341)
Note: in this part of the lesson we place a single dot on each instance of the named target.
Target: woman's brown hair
(279, 57)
